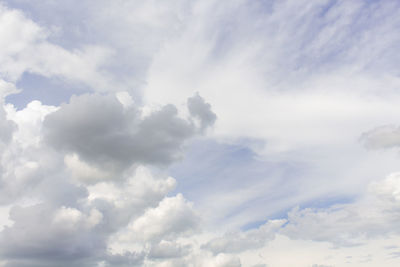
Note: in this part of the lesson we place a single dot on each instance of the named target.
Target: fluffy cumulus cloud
(74, 183)
(42, 232)
(99, 130)
(171, 217)
(300, 87)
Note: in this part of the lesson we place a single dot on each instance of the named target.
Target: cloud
(125, 201)
(290, 89)
(42, 232)
(263, 82)
(73, 225)
(59, 218)
(350, 224)
(168, 249)
(63, 212)
(224, 260)
(86, 181)
(24, 162)
(123, 48)
(241, 241)
(123, 260)
(201, 110)
(172, 217)
(25, 48)
(6, 127)
(382, 137)
(103, 133)
(7, 88)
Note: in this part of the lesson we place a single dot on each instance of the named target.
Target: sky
(204, 133)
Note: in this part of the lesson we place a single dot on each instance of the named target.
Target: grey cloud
(6, 127)
(127, 259)
(37, 173)
(201, 110)
(31, 172)
(130, 199)
(382, 137)
(49, 263)
(94, 126)
(68, 229)
(42, 233)
(168, 249)
(45, 235)
(59, 192)
(40, 236)
(103, 133)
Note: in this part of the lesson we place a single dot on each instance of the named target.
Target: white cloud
(25, 47)
(22, 159)
(265, 83)
(223, 260)
(172, 217)
(350, 224)
(304, 87)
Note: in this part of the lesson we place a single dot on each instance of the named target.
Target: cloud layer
(276, 105)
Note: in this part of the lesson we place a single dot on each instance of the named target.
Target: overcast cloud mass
(199, 133)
